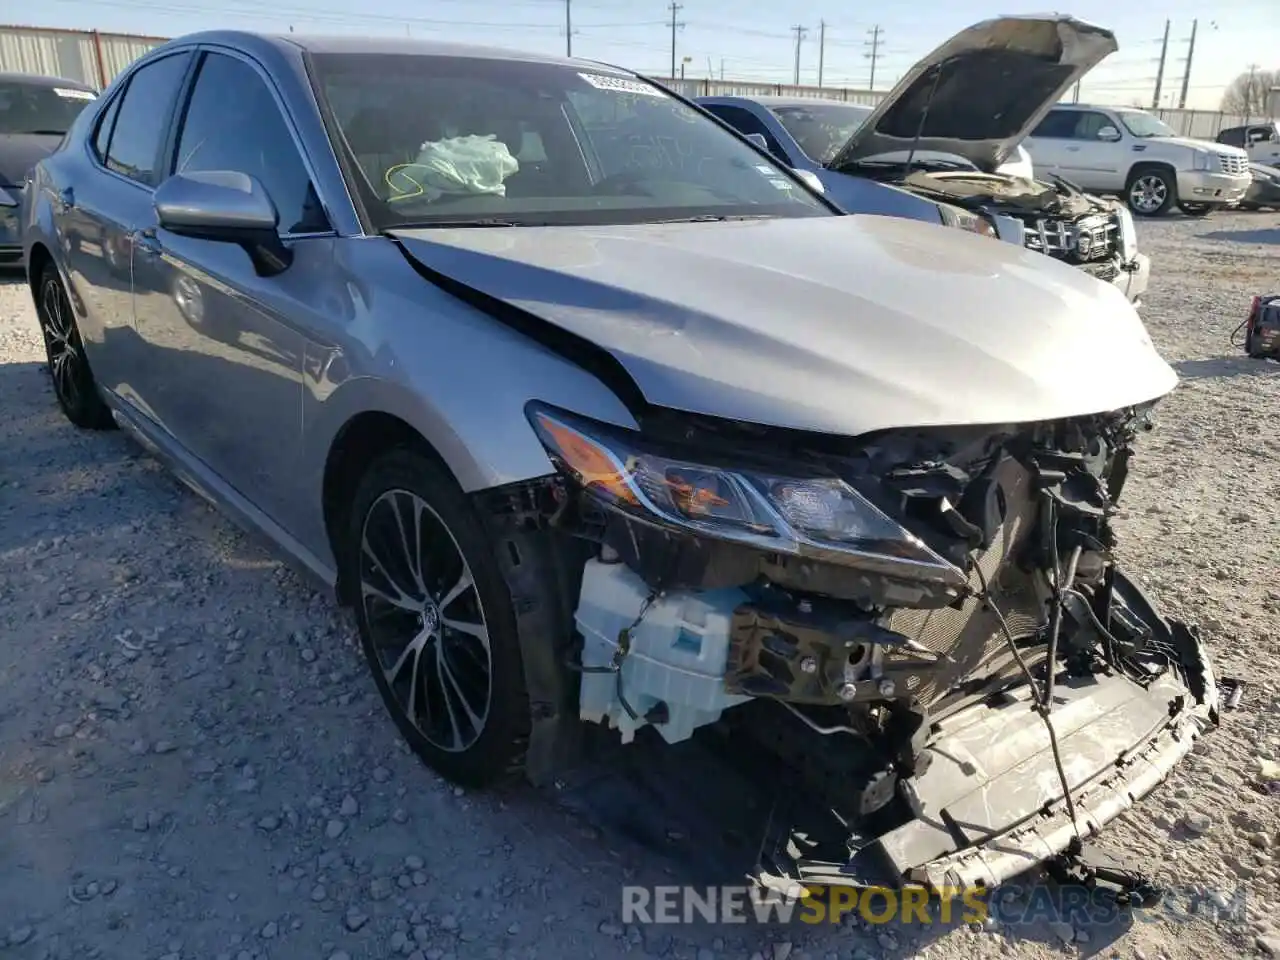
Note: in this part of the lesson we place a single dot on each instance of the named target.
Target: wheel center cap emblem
(430, 617)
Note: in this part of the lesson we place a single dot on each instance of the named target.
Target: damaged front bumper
(990, 806)
(967, 697)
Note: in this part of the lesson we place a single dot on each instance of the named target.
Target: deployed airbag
(464, 166)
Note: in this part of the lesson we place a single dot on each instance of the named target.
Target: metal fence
(85, 55)
(95, 58)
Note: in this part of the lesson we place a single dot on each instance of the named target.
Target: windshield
(1144, 124)
(463, 139)
(40, 107)
(821, 129)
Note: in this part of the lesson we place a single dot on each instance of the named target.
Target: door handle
(1073, 149)
(67, 198)
(145, 241)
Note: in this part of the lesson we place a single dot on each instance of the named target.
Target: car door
(99, 205)
(225, 343)
(1091, 159)
(1051, 141)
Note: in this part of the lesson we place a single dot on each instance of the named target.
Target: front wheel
(436, 620)
(1151, 192)
(73, 381)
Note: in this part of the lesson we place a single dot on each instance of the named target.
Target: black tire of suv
(75, 386)
(1165, 176)
(497, 753)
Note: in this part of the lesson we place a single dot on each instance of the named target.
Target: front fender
(459, 378)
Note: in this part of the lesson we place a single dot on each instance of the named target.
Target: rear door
(226, 344)
(102, 202)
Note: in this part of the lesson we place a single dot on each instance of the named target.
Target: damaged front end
(881, 616)
(1058, 220)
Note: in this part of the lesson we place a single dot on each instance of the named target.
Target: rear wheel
(436, 620)
(73, 382)
(1151, 191)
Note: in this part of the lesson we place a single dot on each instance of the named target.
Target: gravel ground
(193, 763)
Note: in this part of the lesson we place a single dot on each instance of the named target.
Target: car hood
(1192, 144)
(19, 152)
(842, 325)
(994, 80)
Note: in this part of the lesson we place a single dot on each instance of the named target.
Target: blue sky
(747, 41)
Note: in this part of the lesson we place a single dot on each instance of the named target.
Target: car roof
(41, 80)
(360, 44)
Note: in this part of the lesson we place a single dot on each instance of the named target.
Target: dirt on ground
(195, 764)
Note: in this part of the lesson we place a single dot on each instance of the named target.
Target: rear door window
(1058, 125)
(143, 118)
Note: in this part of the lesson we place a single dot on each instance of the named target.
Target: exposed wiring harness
(1044, 695)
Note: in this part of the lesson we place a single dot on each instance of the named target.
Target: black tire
(1151, 191)
(73, 381)
(1197, 210)
(389, 492)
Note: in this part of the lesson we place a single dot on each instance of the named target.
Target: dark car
(35, 114)
(1265, 189)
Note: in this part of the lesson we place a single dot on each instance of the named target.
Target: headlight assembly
(965, 220)
(1128, 233)
(817, 516)
(1201, 160)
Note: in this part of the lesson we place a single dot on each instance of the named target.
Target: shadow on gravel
(1265, 236)
(1211, 367)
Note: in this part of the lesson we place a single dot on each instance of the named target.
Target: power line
(675, 8)
(874, 55)
(800, 34)
(1186, 70)
(822, 48)
(1164, 52)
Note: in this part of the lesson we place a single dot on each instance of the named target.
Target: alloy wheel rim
(62, 344)
(1148, 193)
(426, 621)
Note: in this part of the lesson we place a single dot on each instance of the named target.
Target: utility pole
(675, 8)
(874, 55)
(1075, 94)
(822, 48)
(800, 32)
(1186, 70)
(1164, 52)
(1248, 94)
(568, 29)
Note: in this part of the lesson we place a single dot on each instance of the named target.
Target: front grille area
(1236, 166)
(1090, 238)
(971, 634)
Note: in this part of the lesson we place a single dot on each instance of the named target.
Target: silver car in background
(596, 414)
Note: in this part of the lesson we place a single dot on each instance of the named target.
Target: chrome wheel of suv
(1151, 192)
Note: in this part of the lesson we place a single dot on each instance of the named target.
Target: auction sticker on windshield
(602, 81)
(69, 94)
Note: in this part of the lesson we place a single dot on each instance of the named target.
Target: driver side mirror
(1108, 133)
(227, 207)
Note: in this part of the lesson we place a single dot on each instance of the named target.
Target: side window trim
(118, 100)
(109, 112)
(175, 134)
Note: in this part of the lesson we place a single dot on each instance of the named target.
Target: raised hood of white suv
(983, 91)
(841, 325)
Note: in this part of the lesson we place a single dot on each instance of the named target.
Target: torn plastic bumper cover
(990, 806)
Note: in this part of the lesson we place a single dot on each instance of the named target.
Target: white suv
(1130, 153)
